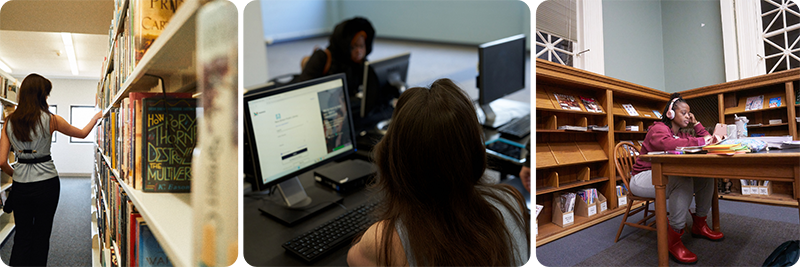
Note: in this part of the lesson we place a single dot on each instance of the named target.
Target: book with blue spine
(150, 252)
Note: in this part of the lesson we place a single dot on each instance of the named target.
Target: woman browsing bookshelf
(36, 185)
(667, 135)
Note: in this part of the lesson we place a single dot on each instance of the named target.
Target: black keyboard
(331, 235)
(518, 128)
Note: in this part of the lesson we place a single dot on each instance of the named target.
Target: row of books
(588, 195)
(150, 139)
(139, 25)
(621, 190)
(121, 228)
(757, 102)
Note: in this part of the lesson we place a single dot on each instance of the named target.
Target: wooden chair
(625, 155)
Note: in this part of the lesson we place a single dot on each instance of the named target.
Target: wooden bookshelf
(549, 231)
(774, 199)
(7, 219)
(732, 99)
(567, 161)
(173, 63)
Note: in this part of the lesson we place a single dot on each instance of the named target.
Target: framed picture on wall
(54, 110)
(79, 116)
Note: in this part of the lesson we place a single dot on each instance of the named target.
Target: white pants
(679, 195)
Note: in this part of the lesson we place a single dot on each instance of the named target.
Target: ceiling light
(70, 50)
(4, 67)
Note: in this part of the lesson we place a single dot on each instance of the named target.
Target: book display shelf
(7, 219)
(580, 116)
(751, 98)
(195, 54)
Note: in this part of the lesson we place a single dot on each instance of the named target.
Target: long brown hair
(430, 165)
(32, 102)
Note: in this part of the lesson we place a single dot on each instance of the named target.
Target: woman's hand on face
(692, 120)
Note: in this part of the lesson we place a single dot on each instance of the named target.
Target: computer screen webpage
(298, 128)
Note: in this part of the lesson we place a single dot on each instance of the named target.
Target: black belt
(35, 160)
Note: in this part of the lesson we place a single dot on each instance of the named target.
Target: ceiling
(30, 36)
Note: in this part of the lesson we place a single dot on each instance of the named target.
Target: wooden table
(775, 165)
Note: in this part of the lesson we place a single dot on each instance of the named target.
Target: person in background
(667, 135)
(36, 187)
(348, 47)
(436, 210)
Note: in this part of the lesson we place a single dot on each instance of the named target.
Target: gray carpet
(768, 227)
(748, 242)
(429, 61)
(70, 241)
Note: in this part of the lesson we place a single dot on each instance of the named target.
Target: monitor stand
(501, 111)
(299, 203)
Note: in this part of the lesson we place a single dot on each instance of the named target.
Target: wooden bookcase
(570, 160)
(732, 98)
(6, 219)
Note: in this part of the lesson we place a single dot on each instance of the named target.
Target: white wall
(72, 159)
(464, 22)
(288, 20)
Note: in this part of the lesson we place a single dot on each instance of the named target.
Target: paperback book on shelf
(658, 114)
(169, 134)
(630, 109)
(754, 103)
(591, 104)
(216, 240)
(775, 102)
(149, 20)
(567, 102)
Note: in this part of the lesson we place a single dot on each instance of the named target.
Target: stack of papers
(572, 128)
(729, 149)
(791, 144)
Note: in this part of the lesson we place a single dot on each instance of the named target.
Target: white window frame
(588, 52)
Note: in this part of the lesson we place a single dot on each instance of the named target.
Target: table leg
(715, 208)
(660, 183)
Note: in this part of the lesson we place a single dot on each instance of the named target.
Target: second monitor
(384, 80)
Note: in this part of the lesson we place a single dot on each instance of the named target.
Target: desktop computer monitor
(501, 70)
(384, 79)
(294, 129)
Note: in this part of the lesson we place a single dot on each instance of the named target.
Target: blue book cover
(150, 252)
(775, 102)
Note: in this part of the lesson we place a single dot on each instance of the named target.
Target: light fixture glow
(4, 67)
(70, 50)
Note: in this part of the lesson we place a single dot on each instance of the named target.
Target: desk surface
(263, 236)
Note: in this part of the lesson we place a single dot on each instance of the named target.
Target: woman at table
(437, 209)
(666, 135)
(36, 186)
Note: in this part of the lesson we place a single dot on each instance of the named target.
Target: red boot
(677, 250)
(700, 229)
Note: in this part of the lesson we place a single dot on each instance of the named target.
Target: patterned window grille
(554, 48)
(780, 20)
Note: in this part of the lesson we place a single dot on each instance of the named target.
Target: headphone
(671, 113)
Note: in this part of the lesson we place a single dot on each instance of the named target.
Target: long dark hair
(672, 97)
(430, 165)
(32, 102)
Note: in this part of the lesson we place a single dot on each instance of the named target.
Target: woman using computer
(36, 186)
(436, 208)
(667, 135)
